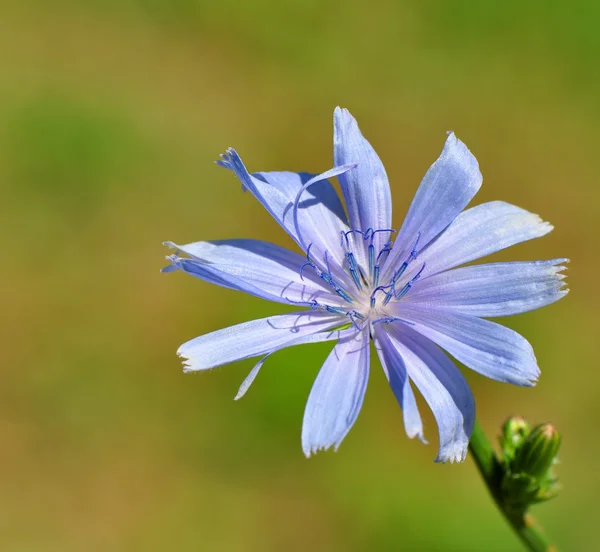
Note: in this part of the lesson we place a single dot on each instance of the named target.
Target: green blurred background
(111, 114)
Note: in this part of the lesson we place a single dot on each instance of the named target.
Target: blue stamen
(386, 249)
(309, 262)
(371, 259)
(388, 297)
(403, 291)
(391, 230)
(352, 315)
(353, 269)
(334, 310)
(391, 319)
(407, 287)
(399, 272)
(355, 232)
(343, 237)
(343, 295)
(376, 275)
(327, 277)
(380, 288)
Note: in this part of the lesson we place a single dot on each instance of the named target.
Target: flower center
(357, 278)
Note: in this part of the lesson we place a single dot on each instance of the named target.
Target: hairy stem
(492, 471)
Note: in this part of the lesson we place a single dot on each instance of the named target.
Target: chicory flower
(361, 280)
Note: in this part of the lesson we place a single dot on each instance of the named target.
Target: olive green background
(111, 114)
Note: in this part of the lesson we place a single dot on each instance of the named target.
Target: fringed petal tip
(311, 451)
(188, 363)
(419, 435)
(454, 452)
(225, 160)
(174, 266)
(169, 268)
(559, 271)
(530, 379)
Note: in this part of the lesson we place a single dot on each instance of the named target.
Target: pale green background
(111, 114)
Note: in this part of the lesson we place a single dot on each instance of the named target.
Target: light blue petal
(484, 346)
(498, 289)
(254, 338)
(478, 232)
(323, 196)
(337, 395)
(443, 387)
(320, 217)
(446, 189)
(397, 376)
(255, 267)
(313, 338)
(366, 189)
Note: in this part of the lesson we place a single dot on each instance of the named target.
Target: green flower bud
(514, 433)
(537, 454)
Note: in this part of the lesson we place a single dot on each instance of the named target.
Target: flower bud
(538, 452)
(514, 432)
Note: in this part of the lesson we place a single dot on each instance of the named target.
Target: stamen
(329, 279)
(386, 249)
(407, 287)
(354, 271)
(343, 295)
(308, 263)
(412, 256)
(381, 288)
(390, 319)
(391, 230)
(389, 296)
(352, 315)
(363, 234)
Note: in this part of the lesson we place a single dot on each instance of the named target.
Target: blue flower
(361, 280)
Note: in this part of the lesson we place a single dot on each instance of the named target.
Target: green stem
(492, 472)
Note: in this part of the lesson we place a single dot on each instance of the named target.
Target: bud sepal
(528, 457)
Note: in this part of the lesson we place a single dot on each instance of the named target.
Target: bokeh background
(111, 114)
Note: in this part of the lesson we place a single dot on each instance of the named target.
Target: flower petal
(443, 387)
(397, 376)
(478, 232)
(484, 346)
(254, 338)
(337, 394)
(446, 189)
(255, 267)
(366, 189)
(498, 289)
(321, 217)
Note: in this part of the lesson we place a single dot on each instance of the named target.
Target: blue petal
(255, 267)
(498, 289)
(337, 395)
(254, 338)
(486, 347)
(320, 216)
(446, 189)
(366, 189)
(443, 387)
(323, 196)
(479, 231)
(397, 376)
